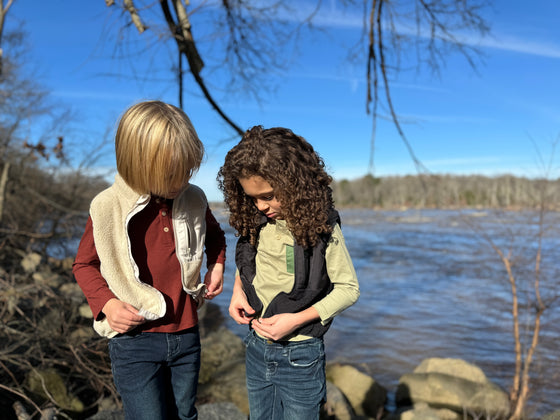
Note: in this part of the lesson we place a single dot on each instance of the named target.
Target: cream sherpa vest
(111, 211)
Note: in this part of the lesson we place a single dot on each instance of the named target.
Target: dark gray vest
(311, 283)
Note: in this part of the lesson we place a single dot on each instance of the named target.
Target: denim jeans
(285, 380)
(156, 374)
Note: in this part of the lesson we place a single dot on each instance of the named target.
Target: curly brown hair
(293, 169)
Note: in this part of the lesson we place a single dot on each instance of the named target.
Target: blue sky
(491, 121)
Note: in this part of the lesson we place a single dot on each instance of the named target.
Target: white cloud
(510, 43)
(334, 18)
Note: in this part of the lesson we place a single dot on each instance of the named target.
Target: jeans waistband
(136, 332)
(281, 343)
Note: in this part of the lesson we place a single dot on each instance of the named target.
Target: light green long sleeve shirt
(275, 270)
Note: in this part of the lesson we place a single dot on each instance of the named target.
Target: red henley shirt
(153, 250)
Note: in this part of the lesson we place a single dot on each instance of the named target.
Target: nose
(262, 205)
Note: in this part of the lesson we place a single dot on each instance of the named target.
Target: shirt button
(166, 229)
(164, 213)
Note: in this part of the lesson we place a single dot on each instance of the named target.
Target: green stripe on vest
(290, 259)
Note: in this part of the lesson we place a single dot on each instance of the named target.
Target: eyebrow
(263, 194)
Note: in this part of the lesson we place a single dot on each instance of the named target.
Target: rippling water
(432, 286)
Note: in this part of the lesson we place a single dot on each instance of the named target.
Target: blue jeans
(285, 380)
(156, 374)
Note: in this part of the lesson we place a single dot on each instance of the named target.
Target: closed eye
(265, 198)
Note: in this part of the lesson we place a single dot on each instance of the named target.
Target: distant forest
(447, 191)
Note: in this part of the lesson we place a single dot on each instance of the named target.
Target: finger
(241, 319)
(217, 288)
(134, 319)
(258, 325)
(132, 313)
(235, 314)
(248, 311)
(265, 322)
(261, 329)
(135, 316)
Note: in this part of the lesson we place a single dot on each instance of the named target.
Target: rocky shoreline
(446, 389)
(438, 388)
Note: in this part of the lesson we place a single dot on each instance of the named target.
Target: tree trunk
(3, 182)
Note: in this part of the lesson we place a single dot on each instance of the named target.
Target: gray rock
(85, 311)
(81, 335)
(108, 415)
(337, 406)
(210, 318)
(52, 322)
(49, 381)
(453, 367)
(64, 264)
(228, 384)
(219, 347)
(220, 411)
(555, 415)
(48, 278)
(222, 371)
(365, 395)
(72, 291)
(457, 394)
(30, 262)
(423, 411)
(212, 411)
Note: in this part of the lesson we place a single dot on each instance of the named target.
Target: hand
(276, 327)
(239, 308)
(279, 326)
(122, 316)
(214, 281)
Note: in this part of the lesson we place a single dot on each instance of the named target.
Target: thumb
(132, 309)
(248, 309)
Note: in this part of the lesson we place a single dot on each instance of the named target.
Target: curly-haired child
(294, 273)
(139, 262)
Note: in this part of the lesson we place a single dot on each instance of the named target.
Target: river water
(433, 286)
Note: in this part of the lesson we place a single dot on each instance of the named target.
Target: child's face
(263, 196)
(174, 190)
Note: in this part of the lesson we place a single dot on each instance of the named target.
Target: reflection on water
(431, 286)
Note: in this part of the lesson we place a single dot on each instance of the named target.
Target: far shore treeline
(447, 191)
(505, 192)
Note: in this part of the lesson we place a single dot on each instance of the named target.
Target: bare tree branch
(21, 395)
(383, 67)
(129, 5)
(3, 182)
(445, 19)
(184, 37)
(3, 11)
(186, 45)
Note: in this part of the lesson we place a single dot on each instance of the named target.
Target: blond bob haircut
(157, 148)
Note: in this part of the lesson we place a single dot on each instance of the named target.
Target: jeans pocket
(306, 355)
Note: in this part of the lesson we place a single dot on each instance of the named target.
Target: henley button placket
(165, 218)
